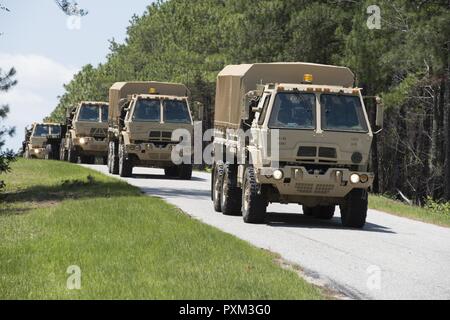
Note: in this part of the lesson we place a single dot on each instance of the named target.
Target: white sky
(38, 43)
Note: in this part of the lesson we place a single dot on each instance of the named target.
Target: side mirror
(380, 113)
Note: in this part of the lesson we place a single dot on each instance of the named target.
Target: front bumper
(89, 145)
(38, 153)
(296, 180)
(152, 152)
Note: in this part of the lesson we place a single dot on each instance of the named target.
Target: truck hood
(329, 147)
(91, 129)
(144, 131)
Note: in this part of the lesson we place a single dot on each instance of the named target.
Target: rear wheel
(216, 189)
(170, 172)
(87, 159)
(308, 211)
(254, 205)
(125, 165)
(354, 209)
(231, 199)
(185, 172)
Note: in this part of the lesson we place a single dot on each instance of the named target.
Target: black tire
(171, 172)
(354, 209)
(72, 154)
(125, 165)
(105, 160)
(308, 211)
(254, 205)
(48, 152)
(216, 186)
(231, 199)
(185, 172)
(113, 160)
(87, 159)
(62, 151)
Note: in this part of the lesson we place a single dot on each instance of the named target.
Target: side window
(262, 116)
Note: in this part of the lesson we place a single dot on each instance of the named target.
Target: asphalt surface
(391, 258)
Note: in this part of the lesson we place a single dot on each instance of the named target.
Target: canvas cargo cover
(121, 90)
(234, 81)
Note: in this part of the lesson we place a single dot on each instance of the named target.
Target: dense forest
(406, 61)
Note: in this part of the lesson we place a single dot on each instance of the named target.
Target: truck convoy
(324, 140)
(142, 117)
(87, 127)
(42, 141)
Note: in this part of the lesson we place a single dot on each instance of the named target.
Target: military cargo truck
(323, 141)
(42, 141)
(86, 137)
(142, 117)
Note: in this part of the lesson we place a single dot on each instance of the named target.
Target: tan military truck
(42, 141)
(86, 137)
(323, 138)
(142, 117)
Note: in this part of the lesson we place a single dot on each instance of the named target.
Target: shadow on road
(195, 194)
(290, 220)
(162, 177)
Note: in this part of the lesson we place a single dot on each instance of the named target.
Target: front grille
(327, 153)
(160, 135)
(307, 152)
(98, 132)
(324, 188)
(304, 187)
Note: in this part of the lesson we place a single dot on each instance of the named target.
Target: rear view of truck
(307, 141)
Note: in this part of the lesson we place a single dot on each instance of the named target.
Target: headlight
(82, 140)
(354, 178)
(278, 174)
(37, 150)
(364, 178)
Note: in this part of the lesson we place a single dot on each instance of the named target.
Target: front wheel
(125, 165)
(354, 209)
(254, 205)
(72, 155)
(113, 161)
(216, 186)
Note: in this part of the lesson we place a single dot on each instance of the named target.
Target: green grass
(128, 246)
(413, 212)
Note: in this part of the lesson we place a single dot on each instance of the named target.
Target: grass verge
(413, 212)
(128, 246)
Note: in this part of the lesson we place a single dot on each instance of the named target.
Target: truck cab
(87, 133)
(42, 141)
(143, 118)
(319, 130)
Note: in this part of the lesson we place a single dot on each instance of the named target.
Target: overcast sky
(46, 49)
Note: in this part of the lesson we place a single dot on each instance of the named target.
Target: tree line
(405, 61)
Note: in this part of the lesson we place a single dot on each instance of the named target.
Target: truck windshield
(89, 113)
(104, 113)
(342, 113)
(41, 131)
(55, 130)
(293, 110)
(176, 112)
(147, 110)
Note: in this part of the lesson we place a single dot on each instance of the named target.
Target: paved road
(412, 259)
